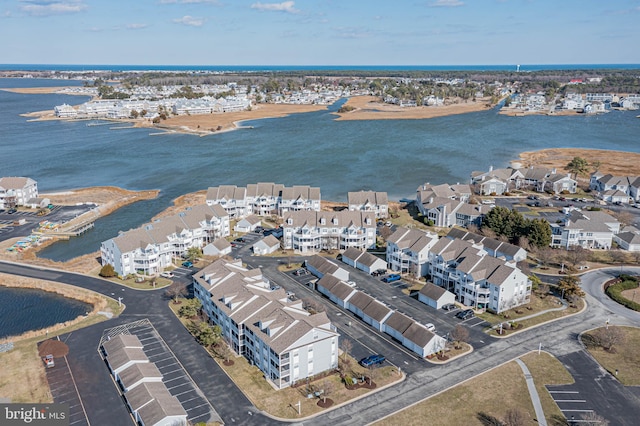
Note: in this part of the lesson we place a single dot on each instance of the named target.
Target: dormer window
(290, 221)
(323, 221)
(335, 221)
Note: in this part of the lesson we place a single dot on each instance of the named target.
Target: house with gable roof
(335, 289)
(261, 323)
(370, 310)
(628, 239)
(299, 198)
(408, 251)
(477, 278)
(311, 231)
(587, 229)
(369, 201)
(363, 260)
(152, 247)
(17, 191)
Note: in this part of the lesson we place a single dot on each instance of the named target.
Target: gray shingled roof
(122, 356)
(418, 334)
(15, 182)
(122, 341)
(376, 310)
(432, 291)
(139, 371)
(361, 300)
(371, 197)
(341, 219)
(399, 322)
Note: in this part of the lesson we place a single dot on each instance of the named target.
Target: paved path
(535, 398)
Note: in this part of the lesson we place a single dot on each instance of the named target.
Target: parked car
(187, 264)
(259, 229)
(372, 360)
(466, 314)
(391, 278)
(12, 211)
(449, 307)
(379, 272)
(239, 240)
(301, 271)
(430, 327)
(167, 274)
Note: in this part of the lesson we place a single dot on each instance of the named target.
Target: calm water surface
(304, 149)
(24, 309)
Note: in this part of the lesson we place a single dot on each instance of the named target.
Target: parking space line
(552, 391)
(570, 400)
(577, 411)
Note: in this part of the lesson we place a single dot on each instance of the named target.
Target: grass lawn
(547, 370)
(22, 372)
(537, 305)
(493, 393)
(625, 357)
(279, 403)
(131, 283)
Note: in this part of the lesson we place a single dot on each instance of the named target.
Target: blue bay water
(303, 149)
(24, 309)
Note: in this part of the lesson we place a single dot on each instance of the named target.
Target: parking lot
(59, 214)
(174, 376)
(64, 391)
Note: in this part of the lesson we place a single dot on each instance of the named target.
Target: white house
(408, 251)
(286, 342)
(413, 335)
(248, 224)
(369, 201)
(298, 198)
(267, 245)
(16, 191)
(362, 260)
(311, 231)
(435, 296)
(587, 229)
(219, 247)
(628, 239)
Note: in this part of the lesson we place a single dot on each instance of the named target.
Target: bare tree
(524, 242)
(175, 291)
(373, 373)
(576, 255)
(460, 333)
(488, 232)
(328, 386)
(545, 256)
(385, 232)
(224, 350)
(608, 337)
(625, 218)
(618, 256)
(515, 417)
(347, 346)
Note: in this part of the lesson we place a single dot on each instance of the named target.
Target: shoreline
(611, 162)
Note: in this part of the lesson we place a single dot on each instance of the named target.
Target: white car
(167, 274)
(430, 327)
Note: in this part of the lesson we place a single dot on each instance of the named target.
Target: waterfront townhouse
(299, 198)
(476, 278)
(558, 183)
(495, 248)
(495, 182)
(601, 97)
(230, 197)
(17, 191)
(587, 229)
(65, 111)
(259, 322)
(445, 212)
(426, 192)
(311, 231)
(408, 251)
(152, 247)
(369, 201)
(615, 189)
(263, 198)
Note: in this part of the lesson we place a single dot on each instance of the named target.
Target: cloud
(188, 1)
(51, 7)
(189, 21)
(446, 3)
(352, 33)
(136, 26)
(285, 6)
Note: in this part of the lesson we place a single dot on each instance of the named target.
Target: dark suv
(466, 314)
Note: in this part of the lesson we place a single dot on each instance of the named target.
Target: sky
(319, 32)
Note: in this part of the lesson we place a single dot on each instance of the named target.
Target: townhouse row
(616, 189)
(260, 322)
(153, 246)
(499, 181)
(332, 283)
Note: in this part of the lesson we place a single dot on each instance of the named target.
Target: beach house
(17, 191)
(369, 201)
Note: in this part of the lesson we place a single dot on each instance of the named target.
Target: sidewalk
(535, 398)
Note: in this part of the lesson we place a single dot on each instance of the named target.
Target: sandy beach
(370, 108)
(43, 90)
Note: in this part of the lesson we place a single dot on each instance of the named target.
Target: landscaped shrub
(107, 271)
(615, 292)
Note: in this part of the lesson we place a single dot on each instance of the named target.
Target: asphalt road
(102, 402)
